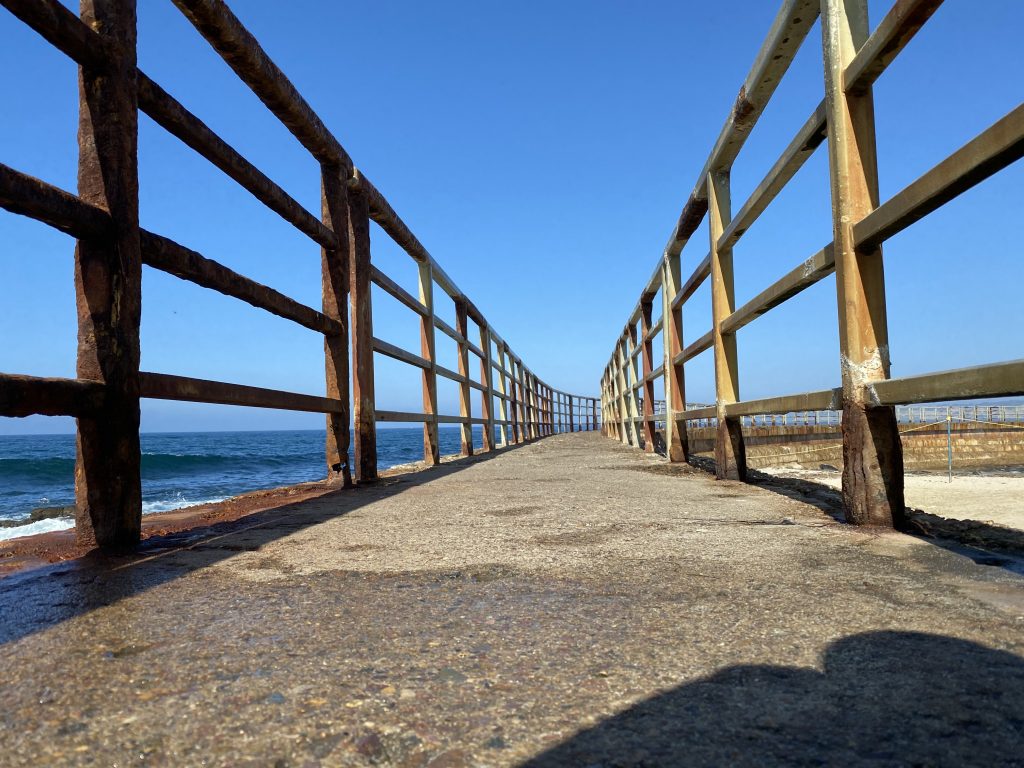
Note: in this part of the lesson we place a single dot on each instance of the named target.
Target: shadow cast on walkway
(881, 698)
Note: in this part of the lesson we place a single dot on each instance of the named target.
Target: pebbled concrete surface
(567, 602)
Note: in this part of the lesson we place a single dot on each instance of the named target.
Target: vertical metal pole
(647, 366)
(361, 332)
(465, 393)
(949, 443)
(487, 396)
(334, 274)
(431, 446)
(872, 452)
(108, 287)
(676, 441)
(513, 392)
(730, 452)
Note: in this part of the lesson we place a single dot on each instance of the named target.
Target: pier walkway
(569, 601)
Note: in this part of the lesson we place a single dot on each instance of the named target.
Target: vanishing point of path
(567, 602)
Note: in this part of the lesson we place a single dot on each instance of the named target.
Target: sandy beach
(996, 497)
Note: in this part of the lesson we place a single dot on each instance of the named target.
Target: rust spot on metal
(743, 108)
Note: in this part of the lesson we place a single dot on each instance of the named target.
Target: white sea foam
(41, 526)
(166, 505)
(63, 523)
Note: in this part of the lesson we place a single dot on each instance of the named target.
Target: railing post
(677, 444)
(524, 401)
(540, 412)
(108, 287)
(604, 401)
(361, 332)
(624, 398)
(647, 353)
(872, 452)
(465, 401)
(730, 454)
(550, 406)
(513, 393)
(524, 405)
(593, 415)
(334, 278)
(545, 410)
(572, 423)
(487, 396)
(631, 385)
(431, 447)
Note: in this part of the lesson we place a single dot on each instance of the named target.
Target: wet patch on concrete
(577, 538)
(513, 511)
(670, 470)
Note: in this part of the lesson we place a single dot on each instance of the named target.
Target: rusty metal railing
(854, 57)
(515, 404)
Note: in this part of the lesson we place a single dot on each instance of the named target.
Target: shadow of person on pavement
(881, 699)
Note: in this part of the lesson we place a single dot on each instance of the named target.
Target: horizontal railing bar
(67, 32)
(448, 373)
(34, 395)
(823, 400)
(168, 256)
(697, 413)
(819, 266)
(458, 337)
(995, 380)
(393, 416)
(243, 53)
(659, 371)
(807, 140)
(890, 37)
(653, 331)
(32, 197)
(787, 33)
(63, 30)
(791, 25)
(162, 386)
(453, 419)
(174, 118)
(385, 216)
(407, 416)
(397, 353)
(992, 150)
(702, 344)
(700, 273)
(393, 288)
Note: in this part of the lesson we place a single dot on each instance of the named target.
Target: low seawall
(924, 446)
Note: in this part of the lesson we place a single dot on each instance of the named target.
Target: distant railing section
(905, 414)
(854, 57)
(515, 404)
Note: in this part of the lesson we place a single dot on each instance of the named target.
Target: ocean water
(183, 469)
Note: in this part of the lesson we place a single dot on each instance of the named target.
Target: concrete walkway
(568, 602)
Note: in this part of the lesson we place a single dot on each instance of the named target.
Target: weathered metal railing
(905, 414)
(112, 249)
(853, 60)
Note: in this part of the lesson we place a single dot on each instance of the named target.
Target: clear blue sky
(541, 152)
